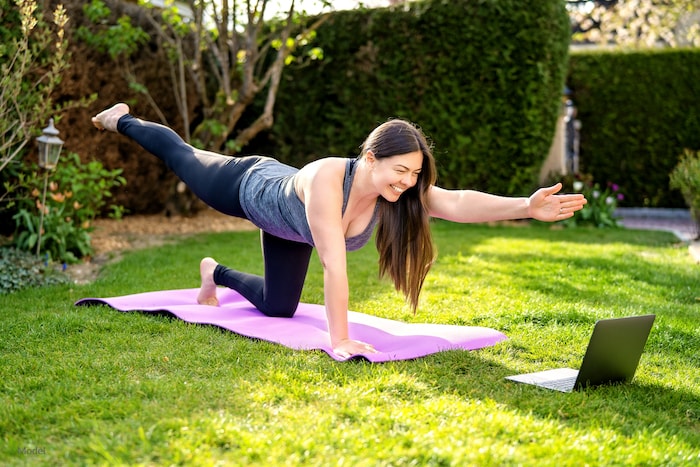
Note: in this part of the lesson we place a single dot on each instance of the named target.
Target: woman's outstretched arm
(476, 206)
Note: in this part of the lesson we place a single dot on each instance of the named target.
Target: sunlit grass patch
(89, 385)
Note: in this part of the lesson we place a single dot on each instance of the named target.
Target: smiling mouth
(397, 189)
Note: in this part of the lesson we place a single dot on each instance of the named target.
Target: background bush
(483, 79)
(685, 177)
(21, 269)
(77, 193)
(639, 111)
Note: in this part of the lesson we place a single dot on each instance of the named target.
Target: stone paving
(678, 221)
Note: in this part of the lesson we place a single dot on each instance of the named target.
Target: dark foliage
(483, 79)
(639, 111)
(20, 270)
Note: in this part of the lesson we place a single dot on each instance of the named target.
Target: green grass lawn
(89, 385)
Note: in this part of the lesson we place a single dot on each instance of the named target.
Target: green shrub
(21, 269)
(33, 58)
(76, 195)
(483, 79)
(639, 110)
(686, 178)
(118, 39)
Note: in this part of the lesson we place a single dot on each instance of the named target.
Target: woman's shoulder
(322, 174)
(329, 162)
(326, 166)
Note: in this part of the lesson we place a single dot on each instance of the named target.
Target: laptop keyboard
(563, 385)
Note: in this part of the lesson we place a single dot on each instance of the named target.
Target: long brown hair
(404, 241)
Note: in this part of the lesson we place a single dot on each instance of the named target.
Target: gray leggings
(216, 180)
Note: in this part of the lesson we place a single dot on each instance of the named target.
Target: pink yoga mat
(307, 330)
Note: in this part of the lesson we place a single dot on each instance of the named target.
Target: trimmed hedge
(639, 111)
(482, 78)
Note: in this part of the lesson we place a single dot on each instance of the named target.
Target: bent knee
(280, 311)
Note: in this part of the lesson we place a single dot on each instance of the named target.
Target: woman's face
(395, 174)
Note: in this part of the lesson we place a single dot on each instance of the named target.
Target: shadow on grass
(631, 411)
(627, 408)
(578, 287)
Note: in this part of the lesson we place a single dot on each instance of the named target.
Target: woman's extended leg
(278, 293)
(214, 178)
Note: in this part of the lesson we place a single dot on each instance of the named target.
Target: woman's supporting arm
(323, 199)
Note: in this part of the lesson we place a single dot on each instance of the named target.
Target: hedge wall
(638, 110)
(482, 78)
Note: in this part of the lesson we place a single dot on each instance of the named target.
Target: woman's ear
(370, 158)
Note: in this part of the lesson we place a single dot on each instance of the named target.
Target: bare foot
(107, 119)
(207, 294)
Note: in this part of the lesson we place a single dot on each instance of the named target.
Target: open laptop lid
(614, 350)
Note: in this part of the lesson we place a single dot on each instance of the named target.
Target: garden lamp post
(50, 146)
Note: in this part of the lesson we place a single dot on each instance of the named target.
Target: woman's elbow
(332, 264)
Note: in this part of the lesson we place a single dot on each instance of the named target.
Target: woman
(332, 204)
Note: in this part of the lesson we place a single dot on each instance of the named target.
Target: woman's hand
(346, 348)
(545, 205)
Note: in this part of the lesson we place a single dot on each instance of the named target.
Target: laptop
(612, 356)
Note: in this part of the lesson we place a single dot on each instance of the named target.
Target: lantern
(50, 146)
